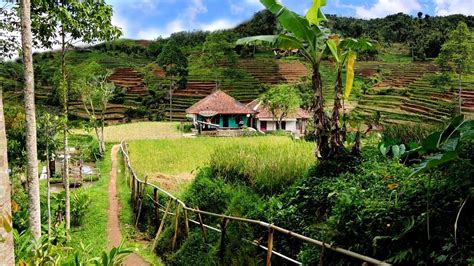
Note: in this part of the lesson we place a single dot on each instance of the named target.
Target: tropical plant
(444, 146)
(308, 35)
(281, 101)
(344, 54)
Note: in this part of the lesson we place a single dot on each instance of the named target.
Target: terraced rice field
(405, 95)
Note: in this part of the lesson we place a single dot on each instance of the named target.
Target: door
(263, 125)
(225, 121)
(283, 125)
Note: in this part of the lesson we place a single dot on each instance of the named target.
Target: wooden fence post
(155, 203)
(270, 246)
(223, 234)
(141, 197)
(132, 196)
(162, 224)
(203, 229)
(176, 227)
(186, 222)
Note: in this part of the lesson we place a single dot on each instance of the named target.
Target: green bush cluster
(368, 204)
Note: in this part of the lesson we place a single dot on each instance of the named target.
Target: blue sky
(148, 19)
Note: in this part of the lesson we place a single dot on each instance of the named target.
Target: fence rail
(138, 185)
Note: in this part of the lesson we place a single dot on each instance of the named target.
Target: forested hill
(396, 82)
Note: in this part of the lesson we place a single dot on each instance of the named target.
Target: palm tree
(308, 36)
(6, 236)
(31, 147)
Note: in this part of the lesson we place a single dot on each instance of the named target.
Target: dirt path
(113, 226)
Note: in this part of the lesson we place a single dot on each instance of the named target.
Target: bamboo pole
(155, 203)
(222, 245)
(203, 229)
(176, 227)
(140, 201)
(162, 224)
(186, 222)
(270, 246)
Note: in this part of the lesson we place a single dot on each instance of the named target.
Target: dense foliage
(369, 204)
(425, 34)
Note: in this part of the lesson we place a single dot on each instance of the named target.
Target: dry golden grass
(139, 131)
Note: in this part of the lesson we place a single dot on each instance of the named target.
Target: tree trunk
(321, 122)
(31, 148)
(6, 247)
(65, 129)
(336, 137)
(460, 94)
(48, 191)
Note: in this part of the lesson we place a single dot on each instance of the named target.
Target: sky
(148, 19)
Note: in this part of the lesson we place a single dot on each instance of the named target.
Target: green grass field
(180, 156)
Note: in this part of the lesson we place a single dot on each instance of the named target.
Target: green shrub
(378, 209)
(407, 133)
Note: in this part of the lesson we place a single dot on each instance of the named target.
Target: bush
(408, 133)
(376, 208)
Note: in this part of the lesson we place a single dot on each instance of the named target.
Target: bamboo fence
(138, 185)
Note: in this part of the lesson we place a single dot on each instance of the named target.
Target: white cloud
(383, 8)
(445, 7)
(219, 24)
(121, 22)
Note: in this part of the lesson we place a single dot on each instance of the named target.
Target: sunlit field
(180, 156)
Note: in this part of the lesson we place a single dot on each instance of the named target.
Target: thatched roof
(219, 103)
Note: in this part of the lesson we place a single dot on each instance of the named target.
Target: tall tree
(218, 52)
(7, 254)
(71, 21)
(175, 64)
(30, 116)
(90, 81)
(281, 101)
(457, 55)
(49, 127)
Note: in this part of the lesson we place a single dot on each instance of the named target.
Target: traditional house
(219, 111)
(264, 120)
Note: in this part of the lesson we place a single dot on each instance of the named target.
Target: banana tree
(344, 53)
(308, 36)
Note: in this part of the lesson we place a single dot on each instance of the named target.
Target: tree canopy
(281, 101)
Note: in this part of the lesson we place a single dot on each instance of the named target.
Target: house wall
(231, 118)
(272, 125)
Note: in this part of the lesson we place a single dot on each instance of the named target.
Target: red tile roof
(256, 106)
(219, 103)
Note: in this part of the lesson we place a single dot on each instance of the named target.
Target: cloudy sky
(148, 19)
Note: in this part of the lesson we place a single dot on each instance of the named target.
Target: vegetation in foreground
(373, 204)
